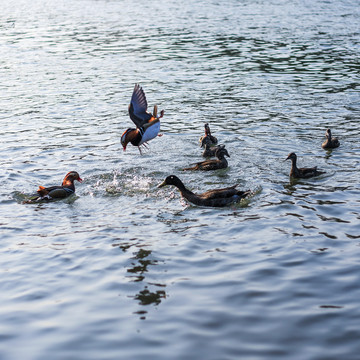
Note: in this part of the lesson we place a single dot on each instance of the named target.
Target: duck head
(171, 180)
(221, 152)
(71, 177)
(328, 134)
(205, 142)
(292, 156)
(207, 129)
(126, 137)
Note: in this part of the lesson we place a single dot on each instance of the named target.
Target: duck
(147, 124)
(66, 189)
(212, 198)
(330, 143)
(210, 151)
(207, 138)
(304, 173)
(220, 163)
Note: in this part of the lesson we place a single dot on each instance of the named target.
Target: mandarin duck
(207, 165)
(147, 124)
(66, 189)
(303, 173)
(330, 143)
(214, 198)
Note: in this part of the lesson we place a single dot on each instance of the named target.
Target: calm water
(124, 270)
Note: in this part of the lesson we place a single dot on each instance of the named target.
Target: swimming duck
(214, 198)
(147, 124)
(207, 165)
(210, 151)
(302, 172)
(207, 138)
(66, 189)
(330, 143)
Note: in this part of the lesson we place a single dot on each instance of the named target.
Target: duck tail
(42, 191)
(33, 199)
(244, 193)
(191, 168)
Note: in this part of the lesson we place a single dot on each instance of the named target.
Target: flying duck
(66, 189)
(207, 165)
(214, 198)
(330, 143)
(302, 172)
(147, 124)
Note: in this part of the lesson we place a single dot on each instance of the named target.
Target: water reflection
(140, 267)
(138, 270)
(146, 297)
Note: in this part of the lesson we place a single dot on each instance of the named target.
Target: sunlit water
(124, 270)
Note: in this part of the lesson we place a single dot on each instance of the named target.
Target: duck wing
(205, 165)
(138, 107)
(43, 191)
(214, 166)
(54, 192)
(196, 166)
(220, 193)
(309, 172)
(336, 142)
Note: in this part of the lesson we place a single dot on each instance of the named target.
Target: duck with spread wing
(147, 124)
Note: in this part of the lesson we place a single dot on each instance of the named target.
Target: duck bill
(80, 180)
(162, 184)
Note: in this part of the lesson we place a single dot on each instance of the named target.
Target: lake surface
(124, 270)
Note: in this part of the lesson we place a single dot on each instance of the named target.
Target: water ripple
(126, 268)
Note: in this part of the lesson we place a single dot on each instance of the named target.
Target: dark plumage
(147, 124)
(207, 138)
(302, 172)
(66, 189)
(209, 150)
(207, 165)
(330, 142)
(214, 198)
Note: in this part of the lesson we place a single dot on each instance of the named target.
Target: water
(124, 270)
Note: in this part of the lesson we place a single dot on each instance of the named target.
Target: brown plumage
(209, 150)
(302, 172)
(207, 138)
(330, 142)
(214, 198)
(207, 165)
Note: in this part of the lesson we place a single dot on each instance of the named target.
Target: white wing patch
(151, 132)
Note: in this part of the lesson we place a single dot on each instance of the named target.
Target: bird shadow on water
(141, 264)
(313, 183)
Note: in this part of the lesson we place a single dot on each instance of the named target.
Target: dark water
(124, 270)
